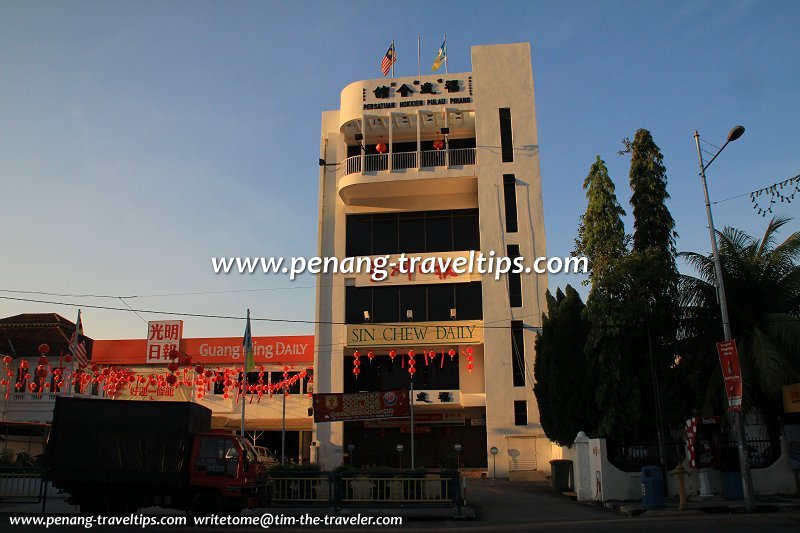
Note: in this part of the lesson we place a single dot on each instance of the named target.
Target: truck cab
(225, 475)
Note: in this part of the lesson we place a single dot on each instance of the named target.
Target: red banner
(729, 361)
(338, 407)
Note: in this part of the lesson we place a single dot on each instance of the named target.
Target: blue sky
(141, 138)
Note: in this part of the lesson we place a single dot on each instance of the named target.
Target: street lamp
(457, 448)
(494, 451)
(399, 449)
(747, 482)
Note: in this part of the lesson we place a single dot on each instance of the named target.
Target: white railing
(462, 156)
(402, 160)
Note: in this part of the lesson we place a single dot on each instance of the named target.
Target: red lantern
(451, 353)
(356, 371)
(392, 355)
(42, 361)
(371, 355)
(67, 358)
(412, 370)
(172, 366)
(8, 359)
(199, 369)
(380, 147)
(24, 364)
(438, 144)
(44, 349)
(171, 379)
(174, 354)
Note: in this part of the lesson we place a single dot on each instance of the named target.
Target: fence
(366, 489)
(633, 458)
(23, 485)
(760, 452)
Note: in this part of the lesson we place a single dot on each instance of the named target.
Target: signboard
(729, 361)
(442, 418)
(338, 407)
(288, 349)
(427, 268)
(791, 398)
(415, 334)
(147, 392)
(427, 91)
(163, 337)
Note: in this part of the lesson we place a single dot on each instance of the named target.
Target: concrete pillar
(582, 468)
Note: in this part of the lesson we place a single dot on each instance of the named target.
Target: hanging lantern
(172, 366)
(451, 353)
(470, 366)
(411, 362)
(370, 355)
(67, 358)
(438, 144)
(44, 349)
(8, 359)
(356, 363)
(23, 365)
(199, 369)
(172, 379)
(42, 361)
(174, 354)
(381, 147)
(392, 355)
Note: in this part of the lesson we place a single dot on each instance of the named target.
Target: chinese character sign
(162, 338)
(729, 361)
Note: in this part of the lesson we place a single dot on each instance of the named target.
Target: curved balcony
(428, 159)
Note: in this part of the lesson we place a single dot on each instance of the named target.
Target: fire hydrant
(681, 473)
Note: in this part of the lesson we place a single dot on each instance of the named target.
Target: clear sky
(141, 138)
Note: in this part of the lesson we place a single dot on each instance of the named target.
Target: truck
(118, 456)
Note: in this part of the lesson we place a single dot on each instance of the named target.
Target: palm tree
(762, 285)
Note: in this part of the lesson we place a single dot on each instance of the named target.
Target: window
(520, 413)
(514, 278)
(384, 374)
(510, 197)
(506, 140)
(428, 302)
(517, 354)
(416, 232)
(277, 377)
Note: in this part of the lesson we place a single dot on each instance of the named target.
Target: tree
(601, 234)
(653, 223)
(762, 286)
(564, 388)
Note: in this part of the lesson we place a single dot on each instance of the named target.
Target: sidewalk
(706, 504)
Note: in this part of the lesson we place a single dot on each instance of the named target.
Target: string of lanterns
(775, 195)
(429, 358)
(181, 372)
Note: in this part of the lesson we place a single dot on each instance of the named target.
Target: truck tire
(95, 502)
(207, 503)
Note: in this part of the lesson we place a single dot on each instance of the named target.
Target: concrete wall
(596, 479)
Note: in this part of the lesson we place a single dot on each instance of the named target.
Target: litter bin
(561, 475)
(652, 487)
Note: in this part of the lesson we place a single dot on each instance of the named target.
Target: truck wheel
(206, 504)
(95, 502)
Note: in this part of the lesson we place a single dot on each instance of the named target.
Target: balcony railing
(403, 160)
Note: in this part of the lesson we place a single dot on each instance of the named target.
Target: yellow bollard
(680, 473)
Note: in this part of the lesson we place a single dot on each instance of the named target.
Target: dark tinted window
(384, 235)
(506, 140)
(510, 197)
(517, 354)
(514, 279)
(412, 232)
(469, 301)
(520, 413)
(466, 231)
(439, 232)
(428, 302)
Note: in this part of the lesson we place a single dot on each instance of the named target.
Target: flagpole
(419, 60)
(244, 374)
(394, 57)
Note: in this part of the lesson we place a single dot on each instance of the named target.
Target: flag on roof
(77, 344)
(388, 59)
(249, 363)
(441, 56)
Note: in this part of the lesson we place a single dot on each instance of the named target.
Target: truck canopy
(123, 441)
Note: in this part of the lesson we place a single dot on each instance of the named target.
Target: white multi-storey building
(439, 165)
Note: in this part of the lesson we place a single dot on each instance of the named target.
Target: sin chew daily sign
(462, 332)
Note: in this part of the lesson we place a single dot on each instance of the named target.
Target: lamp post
(747, 482)
(494, 451)
(399, 449)
(457, 448)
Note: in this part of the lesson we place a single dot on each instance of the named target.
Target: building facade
(436, 166)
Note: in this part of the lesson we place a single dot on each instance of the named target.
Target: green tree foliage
(653, 224)
(762, 285)
(564, 387)
(601, 234)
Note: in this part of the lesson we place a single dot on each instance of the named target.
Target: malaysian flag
(77, 344)
(388, 59)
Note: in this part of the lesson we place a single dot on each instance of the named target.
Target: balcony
(428, 159)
